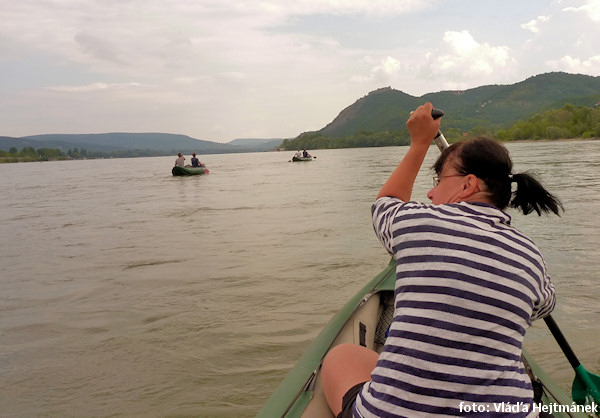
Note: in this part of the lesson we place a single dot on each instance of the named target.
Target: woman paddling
(468, 286)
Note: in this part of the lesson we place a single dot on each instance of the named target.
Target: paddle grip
(440, 139)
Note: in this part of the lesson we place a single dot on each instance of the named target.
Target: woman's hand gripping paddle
(586, 386)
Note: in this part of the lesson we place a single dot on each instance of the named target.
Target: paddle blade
(586, 387)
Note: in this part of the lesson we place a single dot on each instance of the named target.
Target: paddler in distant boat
(195, 162)
(180, 161)
(298, 154)
(305, 154)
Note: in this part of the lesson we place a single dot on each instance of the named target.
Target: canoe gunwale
(307, 367)
(312, 378)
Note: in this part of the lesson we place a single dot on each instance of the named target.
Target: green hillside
(123, 141)
(119, 144)
(496, 106)
(378, 112)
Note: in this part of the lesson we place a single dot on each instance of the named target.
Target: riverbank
(29, 159)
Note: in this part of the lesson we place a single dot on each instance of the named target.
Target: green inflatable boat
(188, 170)
(364, 320)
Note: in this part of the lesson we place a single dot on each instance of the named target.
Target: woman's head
(487, 160)
(487, 164)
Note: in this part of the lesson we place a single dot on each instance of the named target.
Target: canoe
(188, 170)
(364, 320)
(301, 158)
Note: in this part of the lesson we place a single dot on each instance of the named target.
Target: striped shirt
(468, 286)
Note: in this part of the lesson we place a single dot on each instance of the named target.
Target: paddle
(439, 139)
(586, 385)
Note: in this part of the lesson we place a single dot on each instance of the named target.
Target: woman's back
(468, 285)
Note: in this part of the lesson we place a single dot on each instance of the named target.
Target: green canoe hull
(188, 171)
(297, 159)
(300, 394)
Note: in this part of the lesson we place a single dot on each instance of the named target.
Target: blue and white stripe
(468, 286)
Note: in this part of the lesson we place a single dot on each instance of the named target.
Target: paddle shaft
(562, 341)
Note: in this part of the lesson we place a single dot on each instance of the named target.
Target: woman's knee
(345, 366)
(352, 359)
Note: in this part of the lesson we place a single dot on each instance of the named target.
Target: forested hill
(135, 144)
(386, 109)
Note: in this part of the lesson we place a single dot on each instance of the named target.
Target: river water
(125, 291)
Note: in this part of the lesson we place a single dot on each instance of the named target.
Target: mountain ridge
(492, 105)
(162, 143)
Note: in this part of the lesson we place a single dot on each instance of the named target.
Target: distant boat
(188, 170)
(301, 158)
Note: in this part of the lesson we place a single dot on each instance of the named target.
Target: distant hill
(152, 143)
(257, 144)
(387, 109)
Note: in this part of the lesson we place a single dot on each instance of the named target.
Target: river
(125, 291)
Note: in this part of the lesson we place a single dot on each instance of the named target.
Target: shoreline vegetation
(29, 154)
(567, 123)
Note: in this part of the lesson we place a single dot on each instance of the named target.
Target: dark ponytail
(530, 195)
(490, 161)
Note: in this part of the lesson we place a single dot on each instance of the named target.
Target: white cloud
(571, 64)
(98, 86)
(463, 60)
(459, 62)
(385, 71)
(532, 25)
(367, 7)
(98, 48)
(565, 39)
(591, 8)
(157, 34)
(389, 66)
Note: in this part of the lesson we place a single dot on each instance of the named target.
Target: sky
(219, 70)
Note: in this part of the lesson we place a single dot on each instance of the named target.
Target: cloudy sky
(224, 69)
